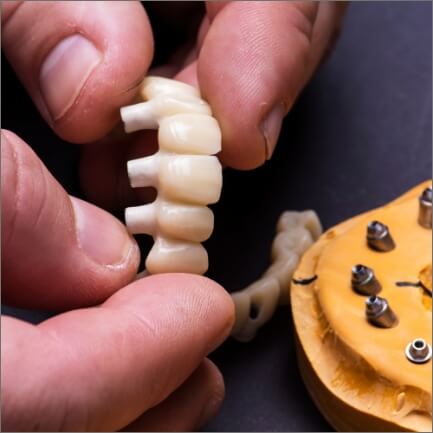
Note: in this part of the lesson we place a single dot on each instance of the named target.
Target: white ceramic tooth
(139, 116)
(194, 179)
(175, 220)
(169, 255)
(146, 115)
(184, 172)
(190, 133)
(144, 171)
(183, 221)
(153, 87)
(142, 219)
(169, 105)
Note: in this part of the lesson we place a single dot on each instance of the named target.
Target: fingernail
(209, 411)
(271, 128)
(64, 72)
(101, 236)
(213, 404)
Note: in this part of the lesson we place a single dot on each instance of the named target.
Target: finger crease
(18, 164)
(17, 7)
(135, 84)
(44, 189)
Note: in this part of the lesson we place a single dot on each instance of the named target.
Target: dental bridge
(188, 177)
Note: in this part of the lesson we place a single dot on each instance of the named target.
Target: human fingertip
(224, 307)
(211, 303)
(65, 71)
(102, 237)
(216, 393)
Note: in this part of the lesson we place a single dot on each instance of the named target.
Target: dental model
(255, 305)
(184, 171)
(362, 310)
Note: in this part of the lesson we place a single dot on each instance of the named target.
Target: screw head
(378, 237)
(361, 274)
(379, 313)
(425, 208)
(418, 351)
(376, 230)
(426, 195)
(375, 305)
(363, 280)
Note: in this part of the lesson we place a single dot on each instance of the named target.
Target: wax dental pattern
(256, 304)
(184, 171)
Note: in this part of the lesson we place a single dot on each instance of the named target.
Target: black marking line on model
(413, 284)
(408, 284)
(305, 281)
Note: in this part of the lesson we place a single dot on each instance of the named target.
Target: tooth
(190, 133)
(147, 115)
(153, 87)
(169, 255)
(139, 116)
(142, 219)
(193, 179)
(175, 220)
(184, 172)
(168, 105)
(143, 171)
(183, 221)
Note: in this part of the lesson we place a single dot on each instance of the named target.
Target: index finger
(255, 59)
(98, 369)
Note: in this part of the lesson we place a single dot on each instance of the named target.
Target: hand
(82, 61)
(139, 354)
(137, 358)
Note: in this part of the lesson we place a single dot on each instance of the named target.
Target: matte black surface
(359, 136)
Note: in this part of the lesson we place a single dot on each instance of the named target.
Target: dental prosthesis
(185, 172)
(256, 304)
(188, 176)
(362, 310)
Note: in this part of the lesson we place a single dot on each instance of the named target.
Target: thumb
(79, 60)
(255, 59)
(58, 252)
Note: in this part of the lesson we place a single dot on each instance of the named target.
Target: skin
(129, 355)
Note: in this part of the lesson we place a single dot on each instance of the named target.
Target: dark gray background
(360, 135)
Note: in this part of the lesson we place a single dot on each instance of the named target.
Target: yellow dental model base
(359, 373)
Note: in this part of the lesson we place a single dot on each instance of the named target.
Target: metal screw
(418, 351)
(364, 281)
(425, 208)
(379, 237)
(379, 312)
